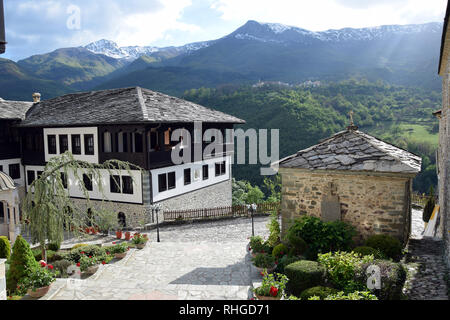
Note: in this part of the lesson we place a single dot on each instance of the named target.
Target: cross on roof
(352, 125)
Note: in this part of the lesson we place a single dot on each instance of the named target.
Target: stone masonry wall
(372, 204)
(216, 195)
(2, 280)
(444, 191)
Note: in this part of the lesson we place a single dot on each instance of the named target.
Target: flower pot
(141, 245)
(40, 292)
(119, 234)
(91, 269)
(120, 255)
(127, 235)
(267, 297)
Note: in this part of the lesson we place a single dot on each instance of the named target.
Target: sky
(40, 26)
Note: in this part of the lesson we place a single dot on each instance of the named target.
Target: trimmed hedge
(5, 248)
(391, 247)
(21, 261)
(393, 277)
(318, 291)
(302, 275)
(284, 261)
(299, 245)
(279, 251)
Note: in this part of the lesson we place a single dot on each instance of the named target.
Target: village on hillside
(251, 188)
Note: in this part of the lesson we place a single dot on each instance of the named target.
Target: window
(76, 144)
(38, 142)
(127, 185)
(220, 168)
(51, 141)
(2, 213)
(205, 172)
(89, 144)
(166, 181)
(39, 174)
(114, 184)
(153, 139)
(1, 168)
(87, 180)
(30, 176)
(63, 143)
(14, 171)
(64, 180)
(187, 176)
(107, 142)
(138, 141)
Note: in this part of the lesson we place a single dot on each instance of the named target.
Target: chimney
(36, 97)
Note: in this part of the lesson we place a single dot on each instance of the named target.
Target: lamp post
(252, 209)
(157, 208)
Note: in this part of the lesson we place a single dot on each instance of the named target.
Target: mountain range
(398, 54)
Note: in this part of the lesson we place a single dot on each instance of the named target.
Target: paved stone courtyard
(203, 260)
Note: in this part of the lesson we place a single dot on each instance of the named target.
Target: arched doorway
(122, 220)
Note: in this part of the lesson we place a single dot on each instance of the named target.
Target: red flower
(90, 256)
(78, 264)
(107, 252)
(82, 252)
(103, 262)
(249, 249)
(262, 274)
(273, 291)
(128, 248)
(262, 251)
(43, 264)
(276, 262)
(50, 267)
(114, 242)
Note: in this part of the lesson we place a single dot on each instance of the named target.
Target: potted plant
(257, 245)
(38, 281)
(119, 234)
(272, 287)
(264, 261)
(88, 264)
(127, 235)
(119, 250)
(139, 240)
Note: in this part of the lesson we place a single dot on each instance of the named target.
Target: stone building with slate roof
(443, 160)
(129, 124)
(352, 177)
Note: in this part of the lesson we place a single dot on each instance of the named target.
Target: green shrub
(37, 253)
(302, 275)
(388, 245)
(53, 246)
(78, 245)
(21, 262)
(322, 236)
(367, 251)
(318, 291)
(61, 266)
(392, 276)
(89, 250)
(341, 268)
(279, 251)
(56, 256)
(356, 295)
(5, 248)
(299, 245)
(284, 261)
(274, 230)
(263, 260)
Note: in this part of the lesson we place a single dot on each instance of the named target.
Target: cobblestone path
(427, 278)
(192, 261)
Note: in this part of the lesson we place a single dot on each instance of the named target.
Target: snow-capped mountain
(111, 49)
(279, 33)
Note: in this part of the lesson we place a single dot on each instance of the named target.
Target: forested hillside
(400, 115)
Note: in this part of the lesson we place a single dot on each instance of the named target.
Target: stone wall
(216, 195)
(2, 280)
(371, 203)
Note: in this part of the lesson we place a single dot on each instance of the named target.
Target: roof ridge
(142, 103)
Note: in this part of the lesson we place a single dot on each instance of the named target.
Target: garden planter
(120, 255)
(40, 292)
(91, 270)
(266, 297)
(141, 245)
(119, 234)
(127, 235)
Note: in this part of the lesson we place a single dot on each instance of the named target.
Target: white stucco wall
(7, 162)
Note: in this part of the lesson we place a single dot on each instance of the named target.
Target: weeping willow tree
(47, 208)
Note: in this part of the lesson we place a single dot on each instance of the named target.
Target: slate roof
(13, 110)
(444, 35)
(356, 151)
(119, 106)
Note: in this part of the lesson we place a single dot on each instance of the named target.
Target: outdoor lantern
(156, 208)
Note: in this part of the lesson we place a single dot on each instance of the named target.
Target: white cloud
(332, 14)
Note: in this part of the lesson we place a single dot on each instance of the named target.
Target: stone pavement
(427, 279)
(203, 260)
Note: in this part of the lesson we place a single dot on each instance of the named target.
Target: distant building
(444, 139)
(129, 124)
(352, 177)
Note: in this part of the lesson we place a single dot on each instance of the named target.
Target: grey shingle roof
(125, 105)
(13, 109)
(354, 150)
